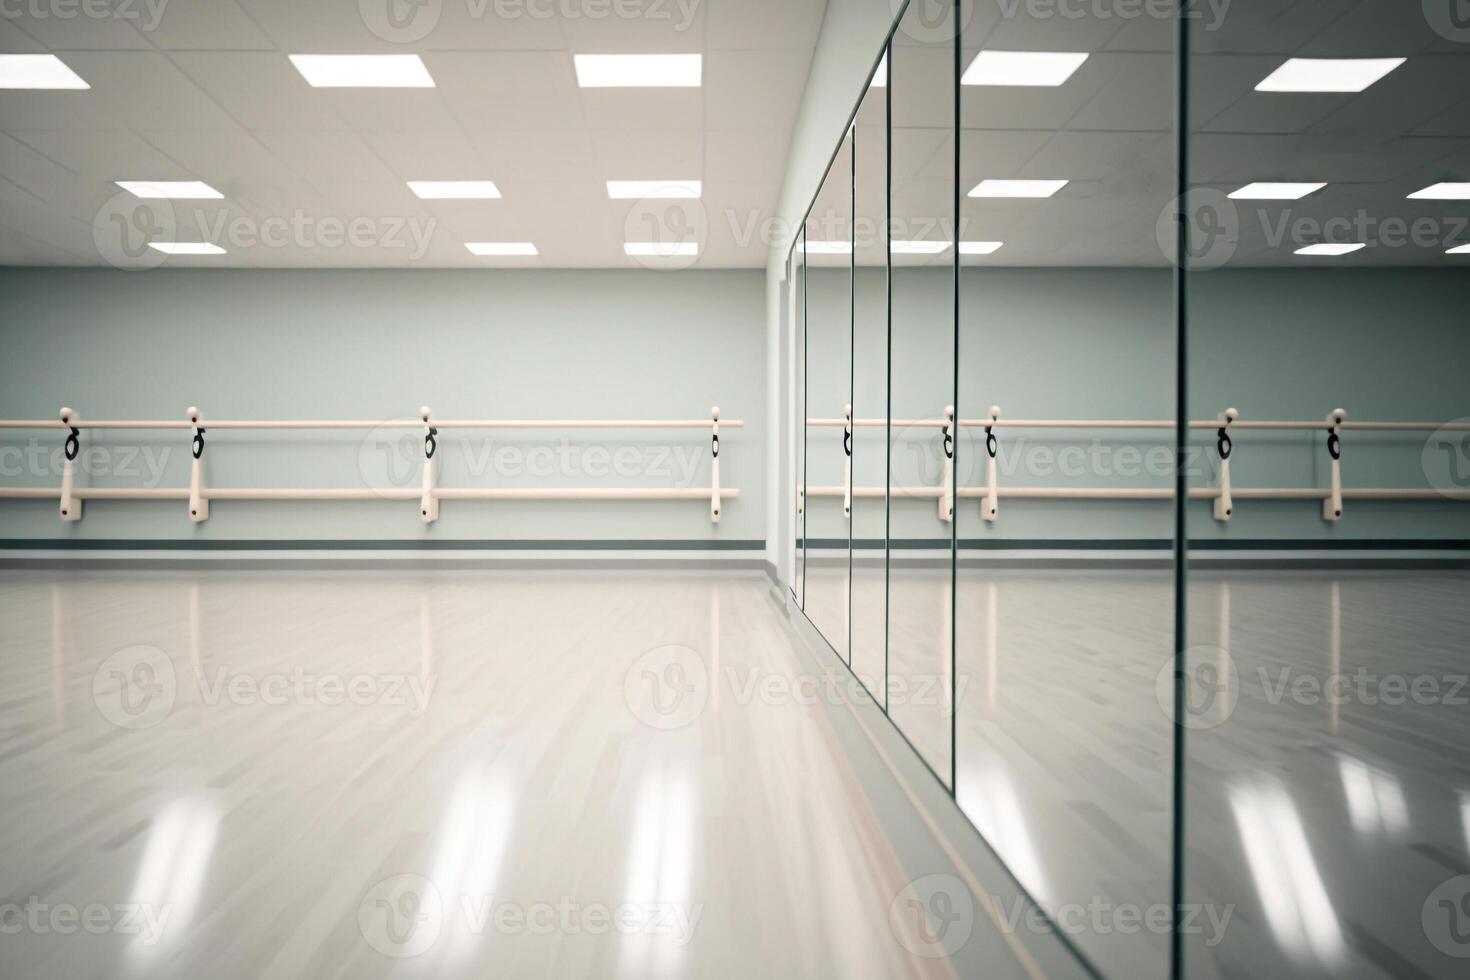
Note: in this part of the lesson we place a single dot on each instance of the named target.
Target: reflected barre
(198, 495)
(1223, 495)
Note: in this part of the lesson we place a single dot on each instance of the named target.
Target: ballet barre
(1223, 495)
(198, 495)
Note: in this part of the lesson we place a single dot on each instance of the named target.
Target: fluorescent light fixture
(187, 248)
(37, 71)
(502, 248)
(455, 190)
(620, 189)
(979, 248)
(918, 248)
(1459, 250)
(662, 250)
(639, 70)
(1268, 191)
(827, 248)
(1327, 74)
(1046, 69)
(1330, 248)
(1017, 188)
(880, 77)
(196, 190)
(363, 70)
(1443, 192)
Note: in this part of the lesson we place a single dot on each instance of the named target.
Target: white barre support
(847, 460)
(947, 434)
(70, 507)
(991, 507)
(1332, 506)
(428, 503)
(198, 503)
(714, 465)
(1224, 505)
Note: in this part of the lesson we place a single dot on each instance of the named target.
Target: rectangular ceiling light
(622, 189)
(918, 248)
(502, 248)
(1327, 74)
(662, 250)
(1268, 191)
(880, 77)
(827, 248)
(1443, 192)
(37, 71)
(1023, 68)
(1330, 248)
(1459, 250)
(455, 190)
(187, 248)
(979, 248)
(188, 190)
(1017, 188)
(639, 70)
(363, 70)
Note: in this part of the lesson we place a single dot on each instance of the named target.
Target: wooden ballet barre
(70, 496)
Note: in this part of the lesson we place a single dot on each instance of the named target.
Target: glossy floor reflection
(470, 774)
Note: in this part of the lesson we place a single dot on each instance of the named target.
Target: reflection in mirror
(798, 320)
(828, 254)
(1066, 315)
(870, 390)
(921, 89)
(1324, 276)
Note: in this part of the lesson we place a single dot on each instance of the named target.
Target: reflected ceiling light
(1327, 74)
(187, 248)
(502, 248)
(880, 77)
(1375, 798)
(37, 71)
(623, 189)
(455, 190)
(196, 190)
(1459, 250)
(827, 248)
(918, 248)
(1443, 192)
(661, 250)
(1029, 68)
(1017, 188)
(1330, 248)
(1269, 191)
(639, 70)
(363, 70)
(979, 248)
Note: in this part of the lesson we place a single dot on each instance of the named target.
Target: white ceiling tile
(329, 26)
(749, 155)
(327, 157)
(402, 110)
(537, 155)
(1138, 94)
(635, 26)
(105, 156)
(520, 90)
(130, 89)
(762, 24)
(13, 40)
(261, 90)
(644, 108)
(747, 89)
(198, 25)
(650, 155)
(446, 155)
(63, 28)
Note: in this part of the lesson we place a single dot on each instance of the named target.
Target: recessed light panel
(918, 248)
(37, 71)
(1017, 188)
(979, 248)
(502, 248)
(1267, 191)
(621, 189)
(827, 248)
(455, 190)
(1023, 68)
(1327, 74)
(639, 70)
(661, 250)
(196, 190)
(363, 70)
(1330, 248)
(187, 248)
(1459, 250)
(1443, 192)
(880, 77)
